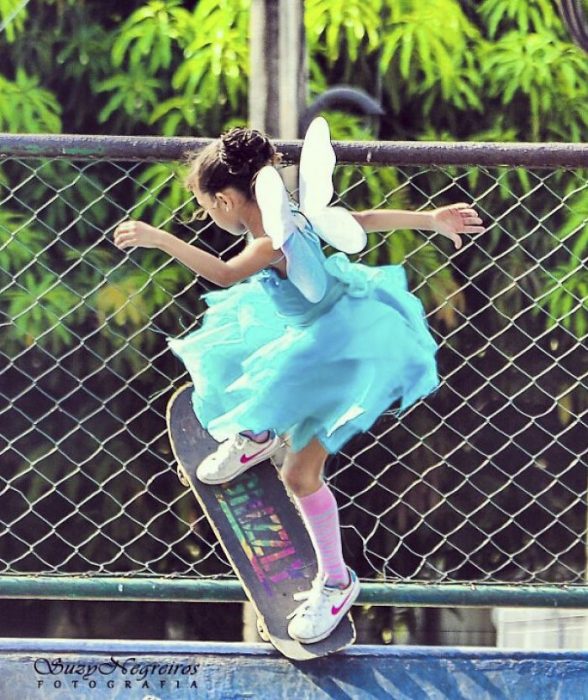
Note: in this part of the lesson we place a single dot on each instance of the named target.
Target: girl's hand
(455, 219)
(137, 233)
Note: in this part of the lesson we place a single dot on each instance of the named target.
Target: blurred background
(486, 482)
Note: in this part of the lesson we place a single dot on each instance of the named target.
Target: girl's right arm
(449, 221)
(255, 257)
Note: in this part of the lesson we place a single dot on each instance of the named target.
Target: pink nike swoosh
(248, 458)
(336, 611)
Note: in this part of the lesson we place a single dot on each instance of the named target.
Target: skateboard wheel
(182, 478)
(262, 630)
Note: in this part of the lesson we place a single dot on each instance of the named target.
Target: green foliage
(179, 114)
(343, 27)
(27, 107)
(432, 48)
(134, 96)
(524, 15)
(565, 295)
(148, 36)
(41, 310)
(163, 195)
(72, 192)
(566, 300)
(127, 300)
(121, 302)
(84, 56)
(542, 79)
(12, 18)
(217, 54)
(203, 54)
(20, 242)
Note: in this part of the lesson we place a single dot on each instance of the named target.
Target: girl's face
(224, 208)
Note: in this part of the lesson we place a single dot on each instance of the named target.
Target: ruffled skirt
(265, 358)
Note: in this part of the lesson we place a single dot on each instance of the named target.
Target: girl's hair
(233, 160)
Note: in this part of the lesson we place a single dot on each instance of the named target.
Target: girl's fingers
(124, 233)
(122, 240)
(125, 227)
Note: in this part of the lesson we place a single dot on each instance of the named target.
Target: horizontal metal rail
(150, 148)
(230, 591)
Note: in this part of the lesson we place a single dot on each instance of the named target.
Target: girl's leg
(336, 588)
(302, 473)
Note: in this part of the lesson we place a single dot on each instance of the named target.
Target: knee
(295, 480)
(301, 478)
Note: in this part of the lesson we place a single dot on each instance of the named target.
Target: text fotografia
(129, 672)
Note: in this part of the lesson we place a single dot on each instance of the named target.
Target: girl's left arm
(449, 221)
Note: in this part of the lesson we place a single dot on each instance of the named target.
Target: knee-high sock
(319, 511)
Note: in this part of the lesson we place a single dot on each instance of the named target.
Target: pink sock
(319, 511)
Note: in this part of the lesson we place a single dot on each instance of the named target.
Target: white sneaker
(323, 609)
(233, 457)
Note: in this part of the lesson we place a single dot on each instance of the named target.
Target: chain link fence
(484, 482)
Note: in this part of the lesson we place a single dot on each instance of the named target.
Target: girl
(271, 367)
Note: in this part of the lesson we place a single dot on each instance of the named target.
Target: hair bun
(245, 151)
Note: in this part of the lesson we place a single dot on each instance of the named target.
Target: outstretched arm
(255, 257)
(449, 221)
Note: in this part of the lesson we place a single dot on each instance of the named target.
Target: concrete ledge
(131, 670)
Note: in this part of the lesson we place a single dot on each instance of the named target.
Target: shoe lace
(232, 445)
(309, 597)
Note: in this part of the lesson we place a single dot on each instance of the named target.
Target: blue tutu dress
(267, 357)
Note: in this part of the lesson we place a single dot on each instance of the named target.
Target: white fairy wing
(317, 162)
(272, 198)
(335, 225)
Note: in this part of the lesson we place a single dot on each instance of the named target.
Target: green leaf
(13, 15)
(154, 31)
(41, 309)
(20, 243)
(26, 107)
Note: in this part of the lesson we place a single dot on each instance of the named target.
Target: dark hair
(233, 160)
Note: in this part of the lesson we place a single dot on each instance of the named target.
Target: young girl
(270, 367)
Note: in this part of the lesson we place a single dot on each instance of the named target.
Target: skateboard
(261, 531)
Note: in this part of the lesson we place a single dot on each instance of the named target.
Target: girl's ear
(222, 200)
(227, 199)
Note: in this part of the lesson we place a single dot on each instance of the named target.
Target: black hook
(574, 18)
(341, 95)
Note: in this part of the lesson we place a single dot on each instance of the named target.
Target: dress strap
(273, 264)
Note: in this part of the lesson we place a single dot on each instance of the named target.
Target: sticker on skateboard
(260, 530)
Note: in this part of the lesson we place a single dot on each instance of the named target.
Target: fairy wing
(317, 162)
(272, 198)
(304, 268)
(335, 225)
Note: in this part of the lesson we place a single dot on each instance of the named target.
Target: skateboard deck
(260, 530)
